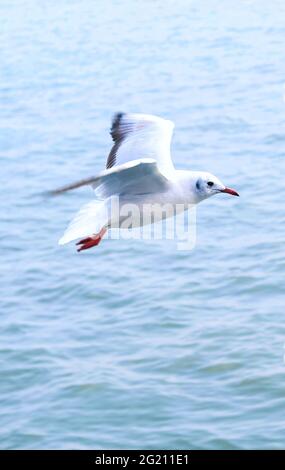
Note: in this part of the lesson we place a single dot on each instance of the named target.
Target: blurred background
(135, 344)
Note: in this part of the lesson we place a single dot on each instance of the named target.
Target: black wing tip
(116, 121)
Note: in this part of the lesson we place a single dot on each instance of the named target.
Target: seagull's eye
(210, 184)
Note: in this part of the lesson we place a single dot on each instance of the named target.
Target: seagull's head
(207, 185)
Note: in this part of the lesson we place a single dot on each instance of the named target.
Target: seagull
(139, 170)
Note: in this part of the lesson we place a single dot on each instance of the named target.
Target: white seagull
(139, 171)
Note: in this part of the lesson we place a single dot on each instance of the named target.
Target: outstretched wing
(138, 136)
(134, 177)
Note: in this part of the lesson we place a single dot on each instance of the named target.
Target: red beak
(230, 191)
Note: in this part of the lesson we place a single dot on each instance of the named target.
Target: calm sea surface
(135, 344)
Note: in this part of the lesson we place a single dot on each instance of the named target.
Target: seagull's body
(140, 172)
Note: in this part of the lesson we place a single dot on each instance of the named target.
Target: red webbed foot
(89, 242)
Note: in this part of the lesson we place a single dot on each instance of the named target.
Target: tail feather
(90, 219)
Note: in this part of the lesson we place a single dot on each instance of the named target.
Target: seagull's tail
(89, 220)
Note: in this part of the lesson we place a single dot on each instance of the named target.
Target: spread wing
(139, 136)
(134, 177)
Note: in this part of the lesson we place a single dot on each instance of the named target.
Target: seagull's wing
(138, 136)
(134, 177)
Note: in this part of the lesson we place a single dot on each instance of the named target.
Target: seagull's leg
(84, 240)
(88, 242)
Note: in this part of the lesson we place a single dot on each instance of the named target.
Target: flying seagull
(139, 170)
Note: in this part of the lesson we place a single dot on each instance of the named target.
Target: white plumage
(139, 170)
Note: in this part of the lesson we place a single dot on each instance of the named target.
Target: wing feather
(138, 136)
(135, 177)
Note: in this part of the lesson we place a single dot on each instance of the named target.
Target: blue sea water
(135, 344)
